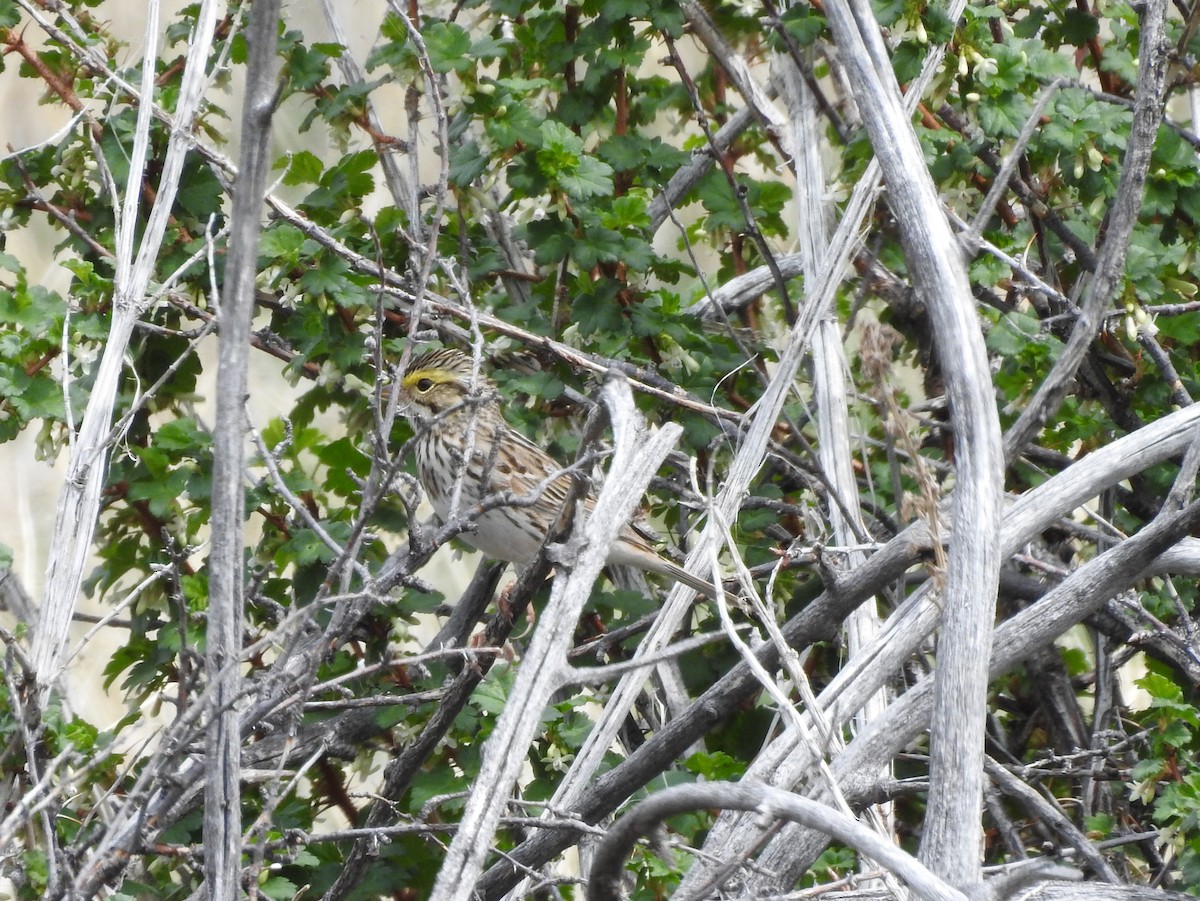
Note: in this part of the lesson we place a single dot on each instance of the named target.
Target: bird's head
(438, 380)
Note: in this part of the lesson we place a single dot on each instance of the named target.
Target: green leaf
(327, 277)
(307, 68)
(629, 211)
(1079, 26)
(551, 239)
(590, 178)
(303, 168)
(449, 47)
(278, 888)
(716, 765)
(560, 147)
(804, 24)
(81, 734)
(182, 434)
(343, 458)
(489, 47)
(35, 309)
(1014, 334)
(597, 313)
(467, 163)
(1003, 117)
(305, 548)
(200, 193)
(281, 241)
(10, 14)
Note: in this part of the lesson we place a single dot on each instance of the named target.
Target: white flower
(557, 759)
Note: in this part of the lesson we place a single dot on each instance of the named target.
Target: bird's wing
(523, 468)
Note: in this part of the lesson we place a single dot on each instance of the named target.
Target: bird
(451, 405)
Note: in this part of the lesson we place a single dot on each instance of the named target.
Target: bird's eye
(424, 384)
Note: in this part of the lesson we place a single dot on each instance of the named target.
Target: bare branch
(766, 801)
(1101, 289)
(79, 503)
(222, 795)
(952, 830)
(636, 457)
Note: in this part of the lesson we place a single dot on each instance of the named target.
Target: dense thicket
(893, 307)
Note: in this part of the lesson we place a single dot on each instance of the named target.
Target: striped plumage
(449, 406)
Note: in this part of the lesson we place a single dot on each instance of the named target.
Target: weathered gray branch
(783, 762)
(1084, 591)
(222, 795)
(952, 825)
(739, 73)
(79, 503)
(605, 884)
(637, 455)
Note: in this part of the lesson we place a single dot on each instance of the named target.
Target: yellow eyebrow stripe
(437, 376)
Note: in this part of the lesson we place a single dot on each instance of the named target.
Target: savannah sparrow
(450, 408)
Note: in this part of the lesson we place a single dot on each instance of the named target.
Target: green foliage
(1166, 779)
(832, 864)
